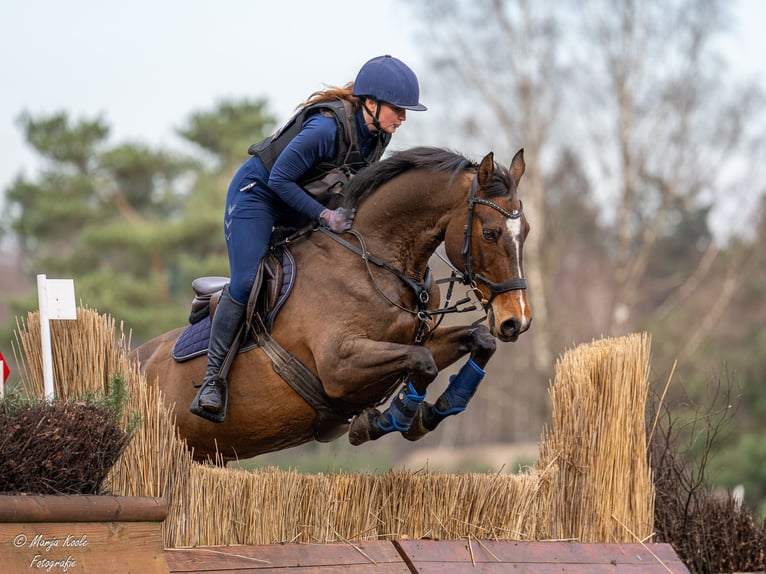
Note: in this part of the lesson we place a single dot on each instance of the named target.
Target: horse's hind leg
(462, 386)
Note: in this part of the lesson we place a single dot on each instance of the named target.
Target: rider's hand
(338, 220)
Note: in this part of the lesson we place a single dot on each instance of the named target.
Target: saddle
(274, 282)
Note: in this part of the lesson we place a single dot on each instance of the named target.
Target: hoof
(426, 420)
(363, 427)
(418, 429)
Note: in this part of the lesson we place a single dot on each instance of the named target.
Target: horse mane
(368, 180)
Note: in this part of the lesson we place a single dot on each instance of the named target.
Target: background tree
(720, 325)
(509, 78)
(635, 135)
(667, 126)
(133, 226)
(640, 139)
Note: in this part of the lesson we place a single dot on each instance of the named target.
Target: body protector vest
(326, 179)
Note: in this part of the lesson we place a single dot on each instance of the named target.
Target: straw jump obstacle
(591, 488)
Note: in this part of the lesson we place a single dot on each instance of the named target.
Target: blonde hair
(332, 94)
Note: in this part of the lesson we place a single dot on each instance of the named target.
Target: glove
(337, 220)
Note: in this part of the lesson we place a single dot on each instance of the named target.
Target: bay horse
(364, 316)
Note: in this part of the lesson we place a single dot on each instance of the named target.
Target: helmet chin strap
(375, 121)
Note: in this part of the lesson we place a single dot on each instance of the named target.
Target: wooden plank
(82, 508)
(435, 557)
(82, 547)
(498, 568)
(371, 557)
(429, 557)
(327, 569)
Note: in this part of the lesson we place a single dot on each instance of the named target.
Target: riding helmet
(389, 80)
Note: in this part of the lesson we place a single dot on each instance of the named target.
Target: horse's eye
(490, 234)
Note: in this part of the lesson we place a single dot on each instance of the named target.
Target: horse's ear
(517, 166)
(486, 169)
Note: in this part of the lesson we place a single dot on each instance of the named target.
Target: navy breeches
(249, 219)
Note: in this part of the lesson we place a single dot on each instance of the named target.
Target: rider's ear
(372, 105)
(486, 170)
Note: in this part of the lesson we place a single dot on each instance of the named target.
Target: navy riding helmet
(389, 80)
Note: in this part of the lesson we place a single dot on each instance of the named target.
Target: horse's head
(489, 245)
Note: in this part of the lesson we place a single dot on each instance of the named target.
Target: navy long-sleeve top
(315, 143)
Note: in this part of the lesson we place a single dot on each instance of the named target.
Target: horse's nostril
(510, 327)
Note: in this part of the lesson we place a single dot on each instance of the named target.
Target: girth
(332, 416)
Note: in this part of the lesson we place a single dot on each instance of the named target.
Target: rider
(346, 128)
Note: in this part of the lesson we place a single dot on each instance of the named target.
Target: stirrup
(219, 417)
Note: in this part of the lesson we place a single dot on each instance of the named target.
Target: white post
(56, 297)
(45, 337)
(2, 376)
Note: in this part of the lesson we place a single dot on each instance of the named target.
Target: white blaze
(514, 231)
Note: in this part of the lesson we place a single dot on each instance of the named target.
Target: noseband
(469, 276)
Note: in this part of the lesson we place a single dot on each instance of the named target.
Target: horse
(364, 315)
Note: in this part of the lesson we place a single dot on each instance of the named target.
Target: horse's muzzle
(509, 330)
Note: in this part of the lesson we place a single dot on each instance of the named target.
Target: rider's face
(390, 116)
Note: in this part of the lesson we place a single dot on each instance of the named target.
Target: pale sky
(146, 65)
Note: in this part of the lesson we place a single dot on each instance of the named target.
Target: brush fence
(592, 481)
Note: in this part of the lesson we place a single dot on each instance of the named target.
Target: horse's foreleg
(366, 365)
(462, 386)
(373, 424)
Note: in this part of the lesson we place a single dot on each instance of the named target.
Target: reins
(467, 276)
(419, 289)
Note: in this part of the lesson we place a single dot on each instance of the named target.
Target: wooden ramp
(429, 557)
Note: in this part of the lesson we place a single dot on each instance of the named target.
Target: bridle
(468, 276)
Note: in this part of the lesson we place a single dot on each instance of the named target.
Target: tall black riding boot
(210, 402)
